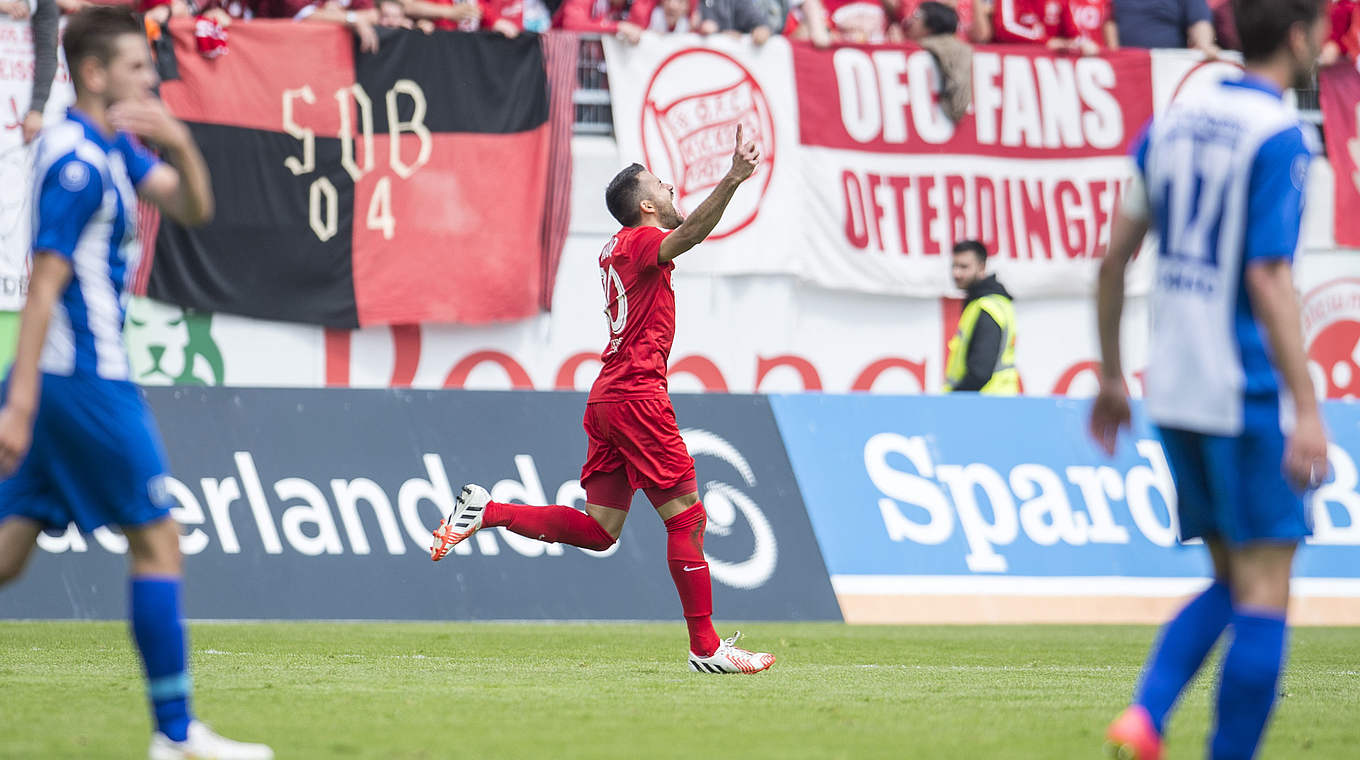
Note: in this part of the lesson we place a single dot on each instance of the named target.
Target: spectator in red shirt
(225, 12)
(859, 21)
(503, 16)
(626, 18)
(1037, 22)
(1343, 15)
(1094, 21)
(1350, 45)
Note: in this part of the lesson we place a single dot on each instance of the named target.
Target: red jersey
(602, 16)
(640, 306)
(1090, 16)
(1031, 21)
(492, 11)
(1341, 13)
(1351, 43)
(847, 16)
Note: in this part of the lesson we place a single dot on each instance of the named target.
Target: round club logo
(1331, 334)
(690, 112)
(1205, 76)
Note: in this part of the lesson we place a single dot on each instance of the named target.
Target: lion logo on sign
(170, 346)
(690, 110)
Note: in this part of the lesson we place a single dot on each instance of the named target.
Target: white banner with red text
(867, 185)
(1034, 172)
(16, 158)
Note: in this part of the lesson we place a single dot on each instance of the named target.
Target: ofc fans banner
(1034, 171)
(867, 184)
(1340, 95)
(354, 189)
(16, 159)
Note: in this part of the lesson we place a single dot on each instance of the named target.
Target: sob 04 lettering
(323, 197)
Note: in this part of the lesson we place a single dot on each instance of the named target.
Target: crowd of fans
(945, 28)
(1084, 27)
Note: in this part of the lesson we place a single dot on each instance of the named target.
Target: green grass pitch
(460, 690)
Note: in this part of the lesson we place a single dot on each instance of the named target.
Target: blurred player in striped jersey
(77, 440)
(1220, 181)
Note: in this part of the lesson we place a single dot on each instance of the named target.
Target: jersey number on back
(615, 301)
(615, 297)
(1194, 181)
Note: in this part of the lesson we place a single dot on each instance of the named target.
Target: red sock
(689, 569)
(554, 524)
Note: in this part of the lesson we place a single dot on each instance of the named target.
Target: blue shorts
(96, 458)
(1233, 487)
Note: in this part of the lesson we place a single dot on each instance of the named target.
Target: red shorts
(634, 444)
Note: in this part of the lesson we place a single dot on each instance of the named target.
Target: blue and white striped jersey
(1225, 176)
(85, 209)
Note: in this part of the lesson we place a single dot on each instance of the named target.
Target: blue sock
(1184, 643)
(1246, 692)
(159, 633)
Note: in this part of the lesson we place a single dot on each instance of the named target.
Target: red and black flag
(355, 189)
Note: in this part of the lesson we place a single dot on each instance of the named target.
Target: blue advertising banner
(1005, 488)
(320, 503)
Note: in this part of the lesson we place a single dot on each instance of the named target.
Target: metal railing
(594, 114)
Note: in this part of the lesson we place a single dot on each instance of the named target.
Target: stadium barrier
(971, 509)
(319, 504)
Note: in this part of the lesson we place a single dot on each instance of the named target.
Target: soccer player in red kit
(634, 442)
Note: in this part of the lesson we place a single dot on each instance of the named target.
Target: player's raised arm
(698, 224)
(1110, 411)
(182, 188)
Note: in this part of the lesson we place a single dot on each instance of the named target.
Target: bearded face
(662, 196)
(669, 215)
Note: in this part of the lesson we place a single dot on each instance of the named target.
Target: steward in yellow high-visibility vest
(982, 351)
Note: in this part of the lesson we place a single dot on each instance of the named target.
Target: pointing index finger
(739, 135)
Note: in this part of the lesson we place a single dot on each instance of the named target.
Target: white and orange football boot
(731, 659)
(463, 521)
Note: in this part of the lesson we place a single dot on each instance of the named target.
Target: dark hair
(624, 194)
(974, 247)
(1263, 25)
(91, 33)
(938, 17)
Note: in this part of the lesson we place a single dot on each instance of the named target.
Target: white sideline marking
(1010, 585)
